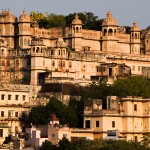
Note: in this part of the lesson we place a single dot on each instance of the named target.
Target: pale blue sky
(124, 11)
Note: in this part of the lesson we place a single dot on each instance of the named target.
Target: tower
(109, 34)
(135, 39)
(8, 23)
(37, 61)
(24, 31)
(76, 32)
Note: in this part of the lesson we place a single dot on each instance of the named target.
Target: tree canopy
(89, 20)
(42, 114)
(97, 144)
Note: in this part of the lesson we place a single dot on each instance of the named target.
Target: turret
(24, 31)
(76, 32)
(37, 61)
(109, 33)
(135, 39)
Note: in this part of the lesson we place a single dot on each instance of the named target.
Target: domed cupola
(9, 17)
(135, 27)
(76, 21)
(109, 21)
(24, 17)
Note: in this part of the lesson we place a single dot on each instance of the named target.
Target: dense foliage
(42, 114)
(131, 86)
(89, 20)
(97, 144)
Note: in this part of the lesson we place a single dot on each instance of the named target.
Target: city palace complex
(31, 57)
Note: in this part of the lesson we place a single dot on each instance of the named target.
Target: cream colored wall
(13, 100)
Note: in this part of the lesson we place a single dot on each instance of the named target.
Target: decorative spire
(134, 24)
(24, 11)
(76, 17)
(109, 14)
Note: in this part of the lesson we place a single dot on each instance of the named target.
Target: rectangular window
(1, 132)
(110, 71)
(133, 68)
(139, 68)
(9, 97)
(53, 136)
(2, 97)
(135, 107)
(136, 139)
(2, 113)
(97, 124)
(24, 97)
(16, 114)
(16, 97)
(16, 129)
(113, 124)
(87, 124)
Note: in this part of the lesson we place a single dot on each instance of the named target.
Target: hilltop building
(70, 54)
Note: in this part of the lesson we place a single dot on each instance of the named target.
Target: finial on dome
(24, 11)
(76, 17)
(134, 24)
(109, 14)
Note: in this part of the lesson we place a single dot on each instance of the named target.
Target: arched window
(63, 63)
(133, 68)
(17, 62)
(105, 32)
(2, 51)
(59, 64)
(77, 29)
(110, 32)
(115, 32)
(33, 49)
(21, 41)
(8, 62)
(135, 35)
(80, 29)
(70, 65)
(25, 42)
(64, 52)
(59, 52)
(53, 63)
(3, 62)
(138, 36)
(37, 49)
(132, 35)
(73, 29)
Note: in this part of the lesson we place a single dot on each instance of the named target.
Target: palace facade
(70, 54)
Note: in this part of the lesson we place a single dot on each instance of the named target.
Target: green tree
(42, 114)
(132, 86)
(89, 20)
(64, 144)
(47, 145)
(37, 115)
(36, 16)
(52, 20)
(146, 140)
(121, 145)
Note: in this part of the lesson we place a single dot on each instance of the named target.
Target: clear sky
(124, 11)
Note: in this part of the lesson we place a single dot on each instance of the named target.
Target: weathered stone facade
(69, 54)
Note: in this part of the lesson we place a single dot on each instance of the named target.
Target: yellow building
(15, 103)
(126, 118)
